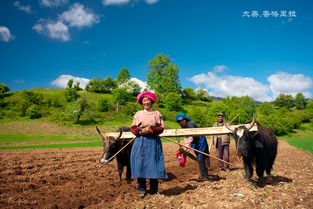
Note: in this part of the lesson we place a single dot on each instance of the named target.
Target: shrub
(3, 89)
(173, 102)
(131, 108)
(104, 105)
(33, 112)
(71, 94)
(33, 98)
(200, 117)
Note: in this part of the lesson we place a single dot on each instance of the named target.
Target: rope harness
(102, 164)
(200, 152)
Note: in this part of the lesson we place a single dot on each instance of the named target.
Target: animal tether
(102, 164)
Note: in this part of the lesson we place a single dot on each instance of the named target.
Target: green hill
(45, 118)
(87, 109)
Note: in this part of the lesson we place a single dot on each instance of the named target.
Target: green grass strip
(44, 146)
(53, 138)
(302, 143)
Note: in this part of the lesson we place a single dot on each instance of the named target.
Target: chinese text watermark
(269, 13)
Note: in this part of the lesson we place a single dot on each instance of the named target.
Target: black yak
(111, 145)
(256, 147)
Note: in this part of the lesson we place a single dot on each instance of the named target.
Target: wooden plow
(207, 131)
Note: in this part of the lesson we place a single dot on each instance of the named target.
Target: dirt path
(68, 178)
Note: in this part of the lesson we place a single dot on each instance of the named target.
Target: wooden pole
(188, 131)
(199, 152)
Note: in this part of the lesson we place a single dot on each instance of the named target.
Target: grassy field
(24, 141)
(33, 134)
(38, 134)
(302, 138)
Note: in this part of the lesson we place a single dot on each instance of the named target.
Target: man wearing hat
(221, 142)
(196, 142)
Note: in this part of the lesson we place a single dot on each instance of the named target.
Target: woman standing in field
(147, 159)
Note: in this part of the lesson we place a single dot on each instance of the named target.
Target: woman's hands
(147, 130)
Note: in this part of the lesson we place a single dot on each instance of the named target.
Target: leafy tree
(300, 101)
(188, 94)
(123, 76)
(104, 105)
(266, 108)
(203, 95)
(109, 85)
(70, 83)
(309, 109)
(163, 75)
(3, 89)
(52, 101)
(283, 100)
(32, 97)
(80, 108)
(71, 94)
(101, 86)
(132, 108)
(33, 112)
(95, 85)
(77, 87)
(248, 106)
(198, 116)
(216, 107)
(275, 122)
(245, 106)
(173, 101)
(121, 96)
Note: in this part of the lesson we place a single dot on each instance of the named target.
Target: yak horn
(251, 124)
(101, 134)
(118, 135)
(228, 127)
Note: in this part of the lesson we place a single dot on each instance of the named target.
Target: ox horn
(103, 136)
(251, 124)
(119, 135)
(228, 127)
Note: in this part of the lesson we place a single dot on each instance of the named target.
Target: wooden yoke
(188, 131)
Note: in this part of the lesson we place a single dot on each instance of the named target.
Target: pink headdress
(148, 94)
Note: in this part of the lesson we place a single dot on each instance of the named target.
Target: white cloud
(227, 85)
(219, 68)
(285, 83)
(5, 34)
(55, 30)
(62, 81)
(85, 43)
(222, 85)
(115, 2)
(53, 3)
(141, 83)
(120, 2)
(79, 16)
(24, 8)
(151, 1)
(19, 81)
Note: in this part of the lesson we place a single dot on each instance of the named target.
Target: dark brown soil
(69, 178)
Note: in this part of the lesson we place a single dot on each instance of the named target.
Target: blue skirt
(147, 159)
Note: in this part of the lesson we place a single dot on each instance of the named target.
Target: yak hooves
(261, 182)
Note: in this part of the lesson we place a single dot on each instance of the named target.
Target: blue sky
(258, 48)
